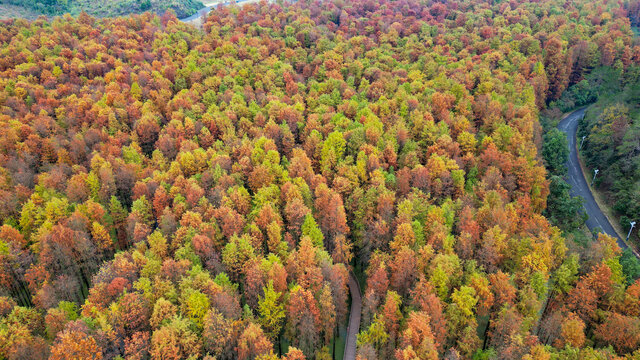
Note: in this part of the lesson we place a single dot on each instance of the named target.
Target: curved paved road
(579, 186)
(354, 319)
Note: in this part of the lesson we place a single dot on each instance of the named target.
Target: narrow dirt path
(354, 319)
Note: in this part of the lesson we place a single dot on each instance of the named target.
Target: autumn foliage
(168, 192)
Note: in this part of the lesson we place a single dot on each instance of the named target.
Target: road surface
(354, 319)
(579, 186)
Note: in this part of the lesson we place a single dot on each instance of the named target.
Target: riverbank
(196, 19)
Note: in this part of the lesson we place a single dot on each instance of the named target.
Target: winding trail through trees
(579, 186)
(354, 318)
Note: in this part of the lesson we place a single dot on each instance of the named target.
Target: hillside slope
(170, 192)
(101, 8)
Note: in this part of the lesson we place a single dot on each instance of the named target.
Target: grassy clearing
(339, 342)
(8, 11)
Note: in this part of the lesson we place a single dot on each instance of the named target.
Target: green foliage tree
(564, 210)
(555, 150)
(271, 312)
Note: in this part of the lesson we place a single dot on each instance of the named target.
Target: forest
(169, 192)
(102, 8)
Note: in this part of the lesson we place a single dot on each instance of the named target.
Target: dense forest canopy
(170, 193)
